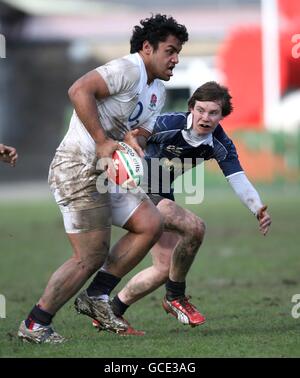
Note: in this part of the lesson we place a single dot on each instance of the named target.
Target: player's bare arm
(83, 94)
(8, 154)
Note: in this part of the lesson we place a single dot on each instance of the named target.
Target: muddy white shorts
(74, 186)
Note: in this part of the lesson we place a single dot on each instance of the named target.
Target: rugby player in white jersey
(186, 135)
(109, 102)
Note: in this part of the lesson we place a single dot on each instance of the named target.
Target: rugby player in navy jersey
(194, 134)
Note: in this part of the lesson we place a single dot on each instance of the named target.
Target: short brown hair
(212, 91)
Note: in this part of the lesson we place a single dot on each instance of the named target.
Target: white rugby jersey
(132, 103)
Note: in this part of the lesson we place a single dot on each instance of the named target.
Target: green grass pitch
(243, 283)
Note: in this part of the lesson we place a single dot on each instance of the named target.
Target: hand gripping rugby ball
(128, 167)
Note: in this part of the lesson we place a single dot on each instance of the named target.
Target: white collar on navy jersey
(194, 139)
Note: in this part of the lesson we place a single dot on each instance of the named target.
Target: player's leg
(139, 216)
(89, 252)
(87, 221)
(172, 257)
(144, 229)
(145, 281)
(191, 230)
(150, 278)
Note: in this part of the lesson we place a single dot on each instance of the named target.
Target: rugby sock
(174, 290)
(38, 316)
(118, 306)
(103, 283)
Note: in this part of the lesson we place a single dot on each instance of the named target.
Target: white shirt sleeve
(245, 191)
(121, 77)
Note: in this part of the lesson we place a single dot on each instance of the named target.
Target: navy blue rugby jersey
(171, 154)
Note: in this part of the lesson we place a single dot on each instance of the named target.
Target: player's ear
(147, 47)
(191, 109)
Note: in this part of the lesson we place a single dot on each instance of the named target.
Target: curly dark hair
(212, 91)
(156, 29)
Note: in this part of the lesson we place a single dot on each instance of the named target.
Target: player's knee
(91, 262)
(196, 230)
(147, 220)
(153, 226)
(87, 265)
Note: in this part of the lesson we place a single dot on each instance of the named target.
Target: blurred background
(251, 46)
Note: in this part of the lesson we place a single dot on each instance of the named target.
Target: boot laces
(187, 305)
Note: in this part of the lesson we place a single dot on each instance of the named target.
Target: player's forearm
(245, 191)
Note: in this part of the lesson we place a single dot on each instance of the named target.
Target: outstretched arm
(249, 196)
(8, 154)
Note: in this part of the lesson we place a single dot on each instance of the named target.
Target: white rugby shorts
(84, 209)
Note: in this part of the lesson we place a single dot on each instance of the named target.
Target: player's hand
(104, 151)
(264, 220)
(8, 154)
(131, 139)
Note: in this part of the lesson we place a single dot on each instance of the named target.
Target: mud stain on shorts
(72, 180)
(87, 220)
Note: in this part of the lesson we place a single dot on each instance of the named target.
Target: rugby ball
(128, 167)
